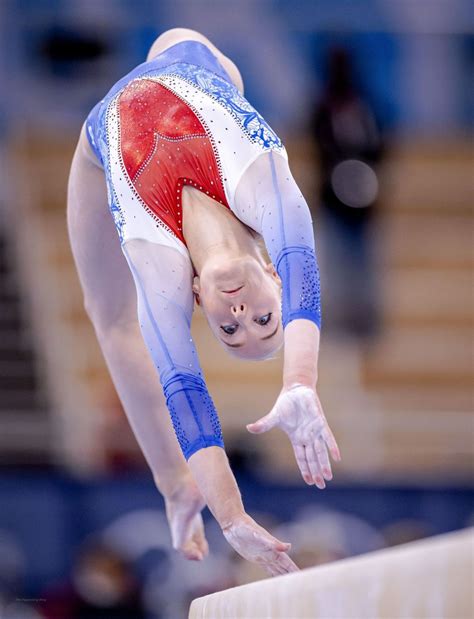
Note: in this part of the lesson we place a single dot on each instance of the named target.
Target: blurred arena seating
(407, 393)
(24, 427)
(420, 372)
(65, 339)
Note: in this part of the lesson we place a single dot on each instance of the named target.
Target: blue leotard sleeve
(163, 279)
(269, 201)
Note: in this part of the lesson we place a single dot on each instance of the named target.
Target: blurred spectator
(350, 145)
(243, 454)
(102, 586)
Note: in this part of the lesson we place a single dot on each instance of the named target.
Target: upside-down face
(241, 300)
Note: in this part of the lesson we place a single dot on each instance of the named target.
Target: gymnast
(194, 177)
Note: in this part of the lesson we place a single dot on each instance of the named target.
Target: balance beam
(431, 578)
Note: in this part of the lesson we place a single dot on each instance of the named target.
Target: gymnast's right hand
(255, 544)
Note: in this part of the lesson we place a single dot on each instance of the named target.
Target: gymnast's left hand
(257, 545)
(299, 413)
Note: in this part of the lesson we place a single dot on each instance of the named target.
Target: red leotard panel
(165, 146)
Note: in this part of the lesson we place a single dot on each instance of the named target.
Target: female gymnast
(193, 176)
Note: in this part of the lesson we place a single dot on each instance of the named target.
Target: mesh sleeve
(268, 200)
(163, 279)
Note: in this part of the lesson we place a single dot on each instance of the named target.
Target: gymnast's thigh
(107, 283)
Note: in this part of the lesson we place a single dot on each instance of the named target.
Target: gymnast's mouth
(233, 291)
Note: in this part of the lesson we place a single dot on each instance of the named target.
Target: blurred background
(373, 99)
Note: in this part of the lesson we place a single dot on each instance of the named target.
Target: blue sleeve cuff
(201, 443)
(307, 314)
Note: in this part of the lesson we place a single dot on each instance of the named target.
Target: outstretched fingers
(282, 564)
(328, 437)
(300, 455)
(273, 545)
(192, 553)
(199, 536)
(323, 458)
(193, 545)
(278, 562)
(270, 569)
(286, 564)
(275, 554)
(256, 544)
(313, 462)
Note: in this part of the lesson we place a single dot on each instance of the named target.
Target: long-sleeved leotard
(269, 201)
(177, 121)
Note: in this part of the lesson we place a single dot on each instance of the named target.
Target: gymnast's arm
(269, 200)
(163, 278)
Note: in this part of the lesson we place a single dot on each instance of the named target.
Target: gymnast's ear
(197, 289)
(269, 268)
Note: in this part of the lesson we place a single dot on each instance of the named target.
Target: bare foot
(183, 510)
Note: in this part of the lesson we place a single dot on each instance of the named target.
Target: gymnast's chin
(241, 299)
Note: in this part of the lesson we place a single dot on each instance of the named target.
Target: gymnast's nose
(239, 309)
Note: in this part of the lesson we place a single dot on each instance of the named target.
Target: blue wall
(50, 515)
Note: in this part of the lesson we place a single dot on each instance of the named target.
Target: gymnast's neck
(212, 231)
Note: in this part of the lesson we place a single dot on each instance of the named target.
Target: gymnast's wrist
(300, 374)
(299, 379)
(230, 516)
(174, 487)
(300, 365)
(227, 506)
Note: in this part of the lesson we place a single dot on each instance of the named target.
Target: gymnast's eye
(264, 320)
(229, 329)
